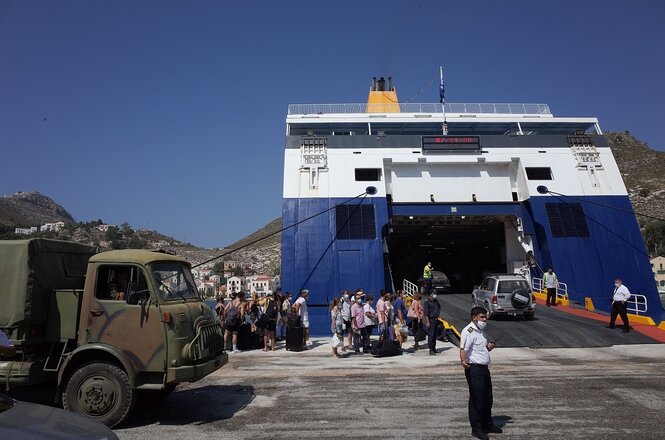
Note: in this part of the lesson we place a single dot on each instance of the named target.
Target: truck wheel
(100, 391)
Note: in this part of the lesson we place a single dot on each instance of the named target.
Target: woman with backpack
(286, 307)
(233, 317)
(269, 309)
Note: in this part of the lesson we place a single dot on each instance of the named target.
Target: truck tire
(100, 391)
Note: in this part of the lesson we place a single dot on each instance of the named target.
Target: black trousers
(427, 286)
(551, 296)
(480, 396)
(619, 308)
(432, 333)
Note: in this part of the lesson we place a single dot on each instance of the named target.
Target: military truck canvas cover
(30, 270)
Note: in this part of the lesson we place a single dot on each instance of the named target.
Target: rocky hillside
(643, 171)
(31, 208)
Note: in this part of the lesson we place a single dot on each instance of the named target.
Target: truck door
(136, 330)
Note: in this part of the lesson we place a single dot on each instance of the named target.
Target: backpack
(232, 316)
(271, 310)
(262, 321)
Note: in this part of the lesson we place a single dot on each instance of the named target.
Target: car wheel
(100, 391)
(529, 316)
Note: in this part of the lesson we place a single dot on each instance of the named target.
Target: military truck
(102, 327)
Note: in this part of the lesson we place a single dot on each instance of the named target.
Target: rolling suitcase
(294, 337)
(246, 338)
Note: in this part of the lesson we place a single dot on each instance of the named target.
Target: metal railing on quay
(412, 107)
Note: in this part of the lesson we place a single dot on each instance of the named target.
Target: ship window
(355, 222)
(368, 174)
(538, 173)
(567, 220)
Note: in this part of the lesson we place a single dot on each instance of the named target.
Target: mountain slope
(643, 172)
(31, 209)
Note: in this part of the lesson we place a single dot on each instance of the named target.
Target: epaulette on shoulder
(470, 330)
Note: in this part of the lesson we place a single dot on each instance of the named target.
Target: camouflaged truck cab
(103, 327)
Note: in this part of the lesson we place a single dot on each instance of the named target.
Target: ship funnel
(382, 97)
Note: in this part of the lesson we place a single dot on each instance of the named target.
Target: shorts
(346, 326)
(233, 328)
(272, 325)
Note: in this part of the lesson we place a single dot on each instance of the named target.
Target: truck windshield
(174, 282)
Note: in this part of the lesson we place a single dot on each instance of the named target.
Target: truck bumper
(192, 373)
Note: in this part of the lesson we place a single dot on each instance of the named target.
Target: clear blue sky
(170, 114)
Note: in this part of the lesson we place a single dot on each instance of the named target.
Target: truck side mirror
(134, 293)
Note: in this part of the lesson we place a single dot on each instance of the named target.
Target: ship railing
(637, 304)
(411, 107)
(409, 288)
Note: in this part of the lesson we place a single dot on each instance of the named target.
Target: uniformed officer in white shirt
(475, 358)
(621, 296)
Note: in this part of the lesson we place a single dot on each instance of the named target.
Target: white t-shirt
(474, 343)
(303, 309)
(368, 320)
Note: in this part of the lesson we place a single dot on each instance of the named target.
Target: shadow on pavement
(212, 403)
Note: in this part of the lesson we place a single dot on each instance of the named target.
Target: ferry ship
(473, 188)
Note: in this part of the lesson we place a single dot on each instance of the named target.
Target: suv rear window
(511, 286)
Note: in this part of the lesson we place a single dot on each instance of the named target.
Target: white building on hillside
(52, 226)
(233, 285)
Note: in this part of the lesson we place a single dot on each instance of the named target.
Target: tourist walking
(301, 308)
(370, 320)
(416, 315)
(336, 324)
(358, 324)
(286, 306)
(346, 318)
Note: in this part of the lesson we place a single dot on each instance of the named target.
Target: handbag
(411, 313)
(421, 335)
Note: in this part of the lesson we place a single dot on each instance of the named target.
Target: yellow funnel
(382, 100)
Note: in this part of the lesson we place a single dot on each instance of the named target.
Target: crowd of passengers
(355, 319)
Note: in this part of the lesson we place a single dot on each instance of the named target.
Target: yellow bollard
(588, 304)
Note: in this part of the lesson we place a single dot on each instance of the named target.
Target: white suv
(508, 294)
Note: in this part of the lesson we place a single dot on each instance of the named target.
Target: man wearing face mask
(621, 295)
(431, 312)
(475, 358)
